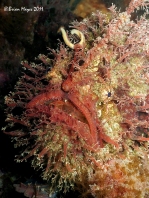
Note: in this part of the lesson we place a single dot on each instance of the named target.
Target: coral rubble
(85, 121)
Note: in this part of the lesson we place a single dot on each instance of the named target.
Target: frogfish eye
(109, 94)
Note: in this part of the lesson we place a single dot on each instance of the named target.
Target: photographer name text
(23, 9)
